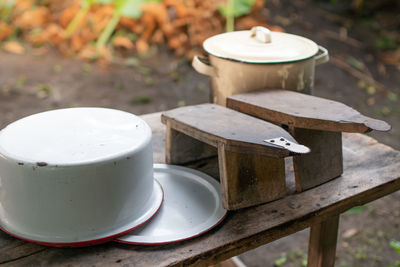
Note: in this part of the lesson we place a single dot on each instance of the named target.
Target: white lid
(74, 136)
(260, 46)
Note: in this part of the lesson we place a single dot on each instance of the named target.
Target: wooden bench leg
(322, 245)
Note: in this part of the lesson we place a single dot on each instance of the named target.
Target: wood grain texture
(304, 111)
(213, 124)
(324, 163)
(182, 149)
(249, 180)
(322, 246)
(371, 171)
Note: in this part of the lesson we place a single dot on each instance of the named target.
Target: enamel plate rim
(216, 217)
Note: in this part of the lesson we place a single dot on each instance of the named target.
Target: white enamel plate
(192, 205)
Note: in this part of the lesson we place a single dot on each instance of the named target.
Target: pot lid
(259, 45)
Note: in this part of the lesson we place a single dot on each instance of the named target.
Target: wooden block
(322, 246)
(183, 149)
(252, 171)
(213, 124)
(304, 111)
(314, 122)
(324, 163)
(247, 179)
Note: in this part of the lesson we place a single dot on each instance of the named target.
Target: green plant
(280, 261)
(234, 9)
(122, 8)
(396, 245)
(6, 7)
(80, 15)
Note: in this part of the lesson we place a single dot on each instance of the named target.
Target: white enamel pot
(244, 61)
(75, 177)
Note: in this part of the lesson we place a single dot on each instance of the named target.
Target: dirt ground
(43, 80)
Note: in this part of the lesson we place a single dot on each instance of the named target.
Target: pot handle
(322, 56)
(202, 67)
(261, 33)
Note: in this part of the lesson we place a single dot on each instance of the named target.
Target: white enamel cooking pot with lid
(75, 177)
(244, 61)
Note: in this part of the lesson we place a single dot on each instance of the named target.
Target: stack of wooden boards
(251, 144)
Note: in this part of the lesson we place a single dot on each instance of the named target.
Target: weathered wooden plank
(322, 245)
(181, 148)
(248, 179)
(304, 111)
(325, 161)
(371, 170)
(252, 171)
(213, 124)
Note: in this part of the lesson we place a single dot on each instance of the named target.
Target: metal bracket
(286, 144)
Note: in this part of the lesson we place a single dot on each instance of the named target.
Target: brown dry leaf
(180, 8)
(127, 22)
(158, 10)
(88, 35)
(77, 42)
(37, 38)
(99, 18)
(23, 5)
(123, 42)
(350, 232)
(52, 34)
(55, 34)
(67, 15)
(174, 42)
(168, 29)
(142, 46)
(34, 18)
(275, 28)
(5, 30)
(90, 53)
(14, 47)
(158, 37)
(149, 23)
(391, 57)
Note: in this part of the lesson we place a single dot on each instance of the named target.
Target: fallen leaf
(350, 232)
(371, 101)
(123, 42)
(14, 47)
(392, 96)
(23, 5)
(5, 30)
(90, 53)
(371, 90)
(77, 42)
(33, 18)
(142, 46)
(68, 14)
(391, 57)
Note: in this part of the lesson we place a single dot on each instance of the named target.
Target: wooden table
(371, 171)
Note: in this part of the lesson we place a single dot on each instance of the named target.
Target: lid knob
(261, 33)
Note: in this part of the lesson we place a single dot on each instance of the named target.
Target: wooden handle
(378, 125)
